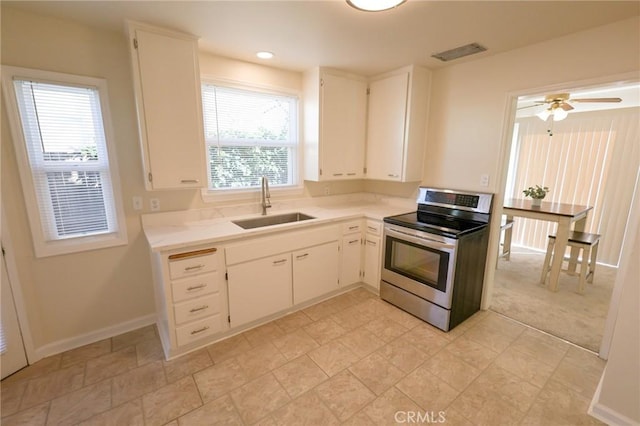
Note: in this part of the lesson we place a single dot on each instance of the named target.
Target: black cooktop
(435, 224)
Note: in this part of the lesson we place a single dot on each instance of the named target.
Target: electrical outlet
(484, 180)
(327, 190)
(137, 203)
(155, 204)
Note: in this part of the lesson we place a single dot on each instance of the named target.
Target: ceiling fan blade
(565, 106)
(596, 100)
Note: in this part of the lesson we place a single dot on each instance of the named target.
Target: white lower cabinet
(268, 275)
(191, 298)
(203, 293)
(351, 267)
(372, 261)
(351, 259)
(315, 271)
(259, 288)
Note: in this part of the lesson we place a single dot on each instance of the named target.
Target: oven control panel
(476, 202)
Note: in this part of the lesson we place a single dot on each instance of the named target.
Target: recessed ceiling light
(374, 5)
(264, 55)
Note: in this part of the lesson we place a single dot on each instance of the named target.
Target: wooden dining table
(568, 217)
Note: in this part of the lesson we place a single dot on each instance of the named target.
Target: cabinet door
(351, 259)
(342, 133)
(315, 271)
(386, 127)
(372, 261)
(259, 288)
(169, 110)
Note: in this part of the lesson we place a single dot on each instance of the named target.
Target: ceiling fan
(559, 105)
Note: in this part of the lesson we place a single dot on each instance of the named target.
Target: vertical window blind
(249, 134)
(65, 142)
(593, 158)
(3, 340)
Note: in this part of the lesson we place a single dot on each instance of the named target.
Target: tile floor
(351, 360)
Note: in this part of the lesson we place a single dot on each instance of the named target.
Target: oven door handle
(423, 241)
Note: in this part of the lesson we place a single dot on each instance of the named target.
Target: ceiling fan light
(559, 114)
(543, 115)
(374, 5)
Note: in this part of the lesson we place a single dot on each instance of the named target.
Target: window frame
(297, 188)
(43, 245)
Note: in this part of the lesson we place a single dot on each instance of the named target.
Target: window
(62, 142)
(249, 134)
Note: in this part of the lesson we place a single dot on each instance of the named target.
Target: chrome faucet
(266, 196)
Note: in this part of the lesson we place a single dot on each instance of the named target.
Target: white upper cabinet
(397, 124)
(335, 112)
(166, 77)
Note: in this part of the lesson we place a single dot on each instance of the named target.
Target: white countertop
(175, 230)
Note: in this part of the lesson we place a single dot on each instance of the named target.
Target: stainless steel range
(434, 258)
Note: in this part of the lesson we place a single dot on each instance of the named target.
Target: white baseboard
(610, 417)
(606, 414)
(92, 337)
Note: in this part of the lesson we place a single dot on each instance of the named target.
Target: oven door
(419, 263)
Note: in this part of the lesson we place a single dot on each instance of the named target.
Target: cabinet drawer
(200, 285)
(374, 228)
(351, 227)
(199, 329)
(197, 308)
(192, 263)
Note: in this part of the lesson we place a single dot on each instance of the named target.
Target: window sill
(79, 244)
(249, 194)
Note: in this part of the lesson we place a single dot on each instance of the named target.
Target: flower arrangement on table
(536, 193)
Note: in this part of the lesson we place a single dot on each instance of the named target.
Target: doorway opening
(588, 158)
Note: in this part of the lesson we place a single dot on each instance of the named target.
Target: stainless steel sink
(271, 220)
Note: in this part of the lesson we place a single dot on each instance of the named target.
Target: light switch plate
(484, 180)
(137, 203)
(154, 203)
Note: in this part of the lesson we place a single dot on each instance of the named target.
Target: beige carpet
(576, 318)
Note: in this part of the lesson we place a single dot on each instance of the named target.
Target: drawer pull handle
(371, 228)
(279, 262)
(354, 241)
(193, 268)
(373, 243)
(393, 175)
(302, 256)
(337, 174)
(351, 174)
(189, 181)
(354, 227)
(196, 287)
(192, 253)
(200, 330)
(201, 308)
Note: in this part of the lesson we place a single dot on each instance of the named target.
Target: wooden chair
(505, 250)
(584, 241)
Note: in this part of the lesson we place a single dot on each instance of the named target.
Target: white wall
(469, 101)
(72, 295)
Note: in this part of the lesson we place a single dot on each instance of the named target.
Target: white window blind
(3, 340)
(592, 159)
(67, 153)
(60, 126)
(249, 134)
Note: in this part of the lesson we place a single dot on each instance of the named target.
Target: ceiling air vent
(459, 52)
